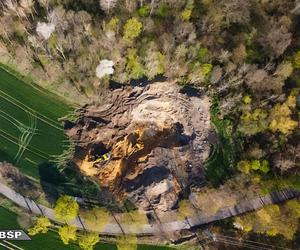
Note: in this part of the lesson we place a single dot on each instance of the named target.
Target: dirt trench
(146, 144)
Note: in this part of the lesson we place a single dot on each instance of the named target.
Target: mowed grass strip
(20, 105)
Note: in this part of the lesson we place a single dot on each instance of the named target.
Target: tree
(66, 209)
(272, 220)
(278, 37)
(186, 14)
(284, 70)
(88, 241)
(134, 68)
(247, 166)
(132, 29)
(280, 119)
(199, 73)
(104, 68)
(234, 11)
(185, 209)
(67, 233)
(136, 220)
(42, 225)
(154, 62)
(144, 11)
(296, 60)
(95, 219)
(254, 122)
(127, 242)
(107, 5)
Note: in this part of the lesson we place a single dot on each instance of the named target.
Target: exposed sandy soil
(156, 140)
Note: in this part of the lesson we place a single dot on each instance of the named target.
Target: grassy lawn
(29, 124)
(50, 240)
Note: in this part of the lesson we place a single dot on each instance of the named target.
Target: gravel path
(112, 229)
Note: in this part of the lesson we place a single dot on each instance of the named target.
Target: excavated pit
(145, 144)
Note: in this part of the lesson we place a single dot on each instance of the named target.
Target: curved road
(113, 229)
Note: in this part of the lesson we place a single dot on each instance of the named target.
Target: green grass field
(30, 132)
(50, 240)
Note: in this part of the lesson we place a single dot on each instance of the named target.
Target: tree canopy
(42, 225)
(66, 209)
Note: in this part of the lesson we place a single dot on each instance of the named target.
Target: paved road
(113, 229)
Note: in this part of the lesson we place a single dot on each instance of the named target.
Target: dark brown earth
(156, 140)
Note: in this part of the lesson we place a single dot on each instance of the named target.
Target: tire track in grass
(15, 101)
(13, 245)
(6, 247)
(23, 128)
(15, 141)
(19, 125)
(26, 137)
(31, 161)
(21, 141)
(41, 117)
(29, 135)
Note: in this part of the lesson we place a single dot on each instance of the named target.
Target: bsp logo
(13, 235)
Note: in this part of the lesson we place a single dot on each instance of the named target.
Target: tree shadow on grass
(50, 179)
(4, 156)
(68, 181)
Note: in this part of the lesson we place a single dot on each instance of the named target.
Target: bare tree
(107, 5)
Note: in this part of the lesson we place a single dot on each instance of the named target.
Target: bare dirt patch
(147, 143)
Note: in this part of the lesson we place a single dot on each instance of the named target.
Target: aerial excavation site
(149, 124)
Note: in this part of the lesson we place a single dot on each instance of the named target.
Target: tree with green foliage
(154, 62)
(163, 10)
(132, 29)
(199, 73)
(296, 60)
(187, 12)
(247, 166)
(42, 225)
(66, 209)
(206, 68)
(88, 241)
(127, 242)
(144, 11)
(113, 24)
(95, 219)
(280, 117)
(67, 233)
(185, 209)
(202, 54)
(272, 220)
(134, 68)
(254, 122)
(247, 99)
(136, 220)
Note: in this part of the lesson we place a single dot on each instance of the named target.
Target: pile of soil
(147, 143)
